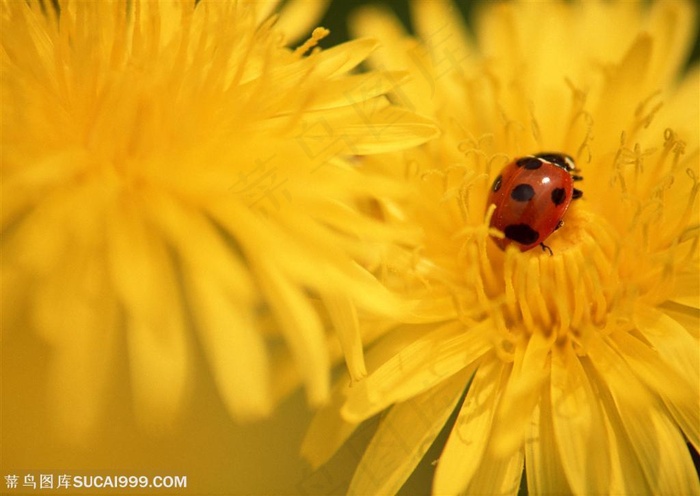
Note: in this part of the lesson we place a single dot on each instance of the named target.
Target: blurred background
(339, 11)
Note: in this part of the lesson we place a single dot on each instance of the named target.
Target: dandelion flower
(580, 368)
(174, 179)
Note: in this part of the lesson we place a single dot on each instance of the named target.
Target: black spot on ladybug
(497, 184)
(522, 192)
(521, 233)
(530, 163)
(558, 196)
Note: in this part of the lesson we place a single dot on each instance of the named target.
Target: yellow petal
(21, 188)
(221, 295)
(437, 309)
(394, 54)
(466, 445)
(657, 442)
(688, 318)
(688, 289)
(672, 369)
(683, 117)
(662, 451)
(298, 17)
(404, 436)
(328, 430)
(671, 340)
(439, 24)
(200, 245)
(578, 425)
(345, 219)
(40, 242)
(301, 328)
(145, 281)
(310, 257)
(681, 394)
(498, 476)
(378, 22)
(626, 474)
(521, 394)
(371, 126)
(545, 473)
(345, 323)
(75, 298)
(263, 8)
(419, 366)
(342, 58)
(233, 347)
(673, 26)
(621, 96)
(356, 88)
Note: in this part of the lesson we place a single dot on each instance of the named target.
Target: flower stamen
(316, 35)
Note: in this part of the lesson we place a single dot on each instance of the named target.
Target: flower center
(561, 296)
(602, 262)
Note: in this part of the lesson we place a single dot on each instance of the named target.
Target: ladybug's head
(559, 159)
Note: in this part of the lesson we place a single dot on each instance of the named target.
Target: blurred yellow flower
(175, 181)
(580, 368)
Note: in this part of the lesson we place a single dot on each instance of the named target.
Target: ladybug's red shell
(532, 195)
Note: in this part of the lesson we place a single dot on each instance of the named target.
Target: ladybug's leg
(576, 178)
(559, 224)
(576, 194)
(545, 247)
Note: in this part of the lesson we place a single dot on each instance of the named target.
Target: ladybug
(532, 195)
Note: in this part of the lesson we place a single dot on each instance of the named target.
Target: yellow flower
(176, 181)
(580, 367)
